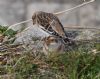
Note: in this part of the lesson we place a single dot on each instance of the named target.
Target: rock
(27, 35)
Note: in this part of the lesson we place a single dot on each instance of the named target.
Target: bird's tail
(68, 41)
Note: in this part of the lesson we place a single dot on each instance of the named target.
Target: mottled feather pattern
(44, 19)
(51, 24)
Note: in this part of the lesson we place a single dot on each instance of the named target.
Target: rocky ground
(27, 60)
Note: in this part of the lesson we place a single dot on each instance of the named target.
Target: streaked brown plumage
(49, 23)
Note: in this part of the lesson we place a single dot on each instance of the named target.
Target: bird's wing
(58, 28)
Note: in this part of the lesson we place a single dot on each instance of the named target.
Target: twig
(58, 13)
(82, 28)
(23, 30)
(96, 40)
(18, 24)
(74, 7)
(18, 61)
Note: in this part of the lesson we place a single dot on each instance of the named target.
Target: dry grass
(24, 62)
(81, 63)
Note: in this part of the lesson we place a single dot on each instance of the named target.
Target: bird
(51, 24)
(52, 44)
